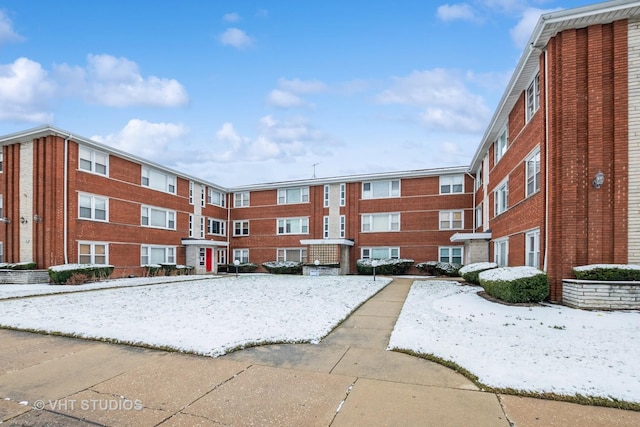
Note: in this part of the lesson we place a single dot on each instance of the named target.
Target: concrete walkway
(348, 379)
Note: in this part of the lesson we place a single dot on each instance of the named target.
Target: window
(533, 97)
(295, 255)
(1, 207)
(203, 198)
(326, 196)
(325, 227)
(450, 220)
(1, 160)
(380, 189)
(479, 215)
(92, 253)
(215, 226)
(380, 253)
(479, 178)
(157, 180)
(451, 254)
(293, 195)
(93, 207)
(500, 146)
(241, 200)
(343, 194)
(343, 225)
(191, 189)
(150, 255)
(202, 256)
(293, 226)
(160, 218)
(501, 198)
(190, 225)
(222, 256)
(533, 172)
(1, 252)
(93, 161)
(241, 255)
(451, 184)
(202, 227)
(533, 248)
(501, 252)
(215, 198)
(240, 228)
(381, 222)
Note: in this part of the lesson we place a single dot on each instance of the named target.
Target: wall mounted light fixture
(37, 218)
(23, 220)
(598, 180)
(5, 220)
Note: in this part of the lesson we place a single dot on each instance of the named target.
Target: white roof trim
(203, 242)
(327, 242)
(463, 237)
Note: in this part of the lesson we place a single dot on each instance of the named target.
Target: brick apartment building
(552, 183)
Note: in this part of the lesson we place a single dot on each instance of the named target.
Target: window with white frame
(293, 254)
(380, 253)
(155, 254)
(215, 226)
(501, 145)
(1, 207)
(451, 220)
(501, 198)
(215, 197)
(293, 195)
(326, 196)
(343, 194)
(222, 256)
(381, 189)
(381, 222)
(192, 186)
(240, 228)
(157, 217)
(241, 255)
(202, 227)
(93, 253)
(190, 225)
(241, 199)
(451, 254)
(451, 184)
(93, 207)
(532, 164)
(479, 178)
(1, 252)
(501, 252)
(1, 160)
(478, 215)
(157, 180)
(343, 226)
(325, 227)
(203, 196)
(93, 161)
(293, 226)
(532, 239)
(533, 97)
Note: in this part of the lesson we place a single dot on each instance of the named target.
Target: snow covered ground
(208, 317)
(546, 348)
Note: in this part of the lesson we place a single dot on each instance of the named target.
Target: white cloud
(457, 12)
(287, 94)
(153, 141)
(446, 103)
(283, 99)
(302, 86)
(7, 33)
(25, 91)
(231, 17)
(236, 38)
(521, 33)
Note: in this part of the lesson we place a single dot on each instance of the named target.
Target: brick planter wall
(592, 294)
(23, 277)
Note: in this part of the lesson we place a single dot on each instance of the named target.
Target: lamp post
(317, 264)
(236, 263)
(374, 264)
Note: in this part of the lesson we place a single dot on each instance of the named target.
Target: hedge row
(78, 273)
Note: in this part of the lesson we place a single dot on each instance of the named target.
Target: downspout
(65, 199)
(546, 159)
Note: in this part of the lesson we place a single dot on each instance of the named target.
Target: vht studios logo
(89, 405)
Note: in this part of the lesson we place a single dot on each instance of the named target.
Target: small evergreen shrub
(608, 272)
(438, 268)
(245, 267)
(515, 284)
(283, 267)
(18, 266)
(78, 273)
(470, 272)
(387, 266)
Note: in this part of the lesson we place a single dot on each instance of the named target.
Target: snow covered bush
(18, 266)
(438, 268)
(470, 272)
(245, 267)
(153, 270)
(608, 272)
(387, 266)
(78, 273)
(515, 284)
(283, 267)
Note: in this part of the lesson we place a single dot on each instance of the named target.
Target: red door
(209, 259)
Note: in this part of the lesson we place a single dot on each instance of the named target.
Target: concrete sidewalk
(348, 379)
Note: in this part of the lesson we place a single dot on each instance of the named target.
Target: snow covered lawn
(543, 349)
(209, 317)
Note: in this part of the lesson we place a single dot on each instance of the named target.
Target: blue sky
(259, 91)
